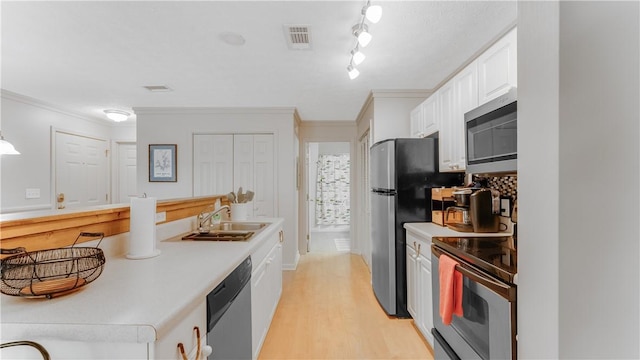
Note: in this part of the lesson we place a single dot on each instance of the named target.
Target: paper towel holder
(150, 251)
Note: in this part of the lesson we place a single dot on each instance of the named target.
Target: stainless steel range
(487, 329)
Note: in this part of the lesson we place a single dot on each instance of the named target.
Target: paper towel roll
(142, 228)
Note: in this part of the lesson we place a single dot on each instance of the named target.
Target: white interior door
(263, 185)
(243, 162)
(81, 171)
(126, 172)
(212, 164)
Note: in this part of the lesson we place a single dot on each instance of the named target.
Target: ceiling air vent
(157, 88)
(298, 36)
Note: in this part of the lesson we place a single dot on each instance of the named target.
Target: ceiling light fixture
(353, 72)
(6, 148)
(117, 115)
(372, 13)
(357, 57)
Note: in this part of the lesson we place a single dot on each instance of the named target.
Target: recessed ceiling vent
(298, 36)
(157, 88)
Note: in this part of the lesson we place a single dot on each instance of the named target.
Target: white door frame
(54, 131)
(115, 166)
(304, 219)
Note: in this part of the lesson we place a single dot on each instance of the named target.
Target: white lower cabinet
(419, 292)
(266, 288)
(185, 333)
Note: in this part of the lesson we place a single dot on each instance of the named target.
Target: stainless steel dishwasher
(229, 316)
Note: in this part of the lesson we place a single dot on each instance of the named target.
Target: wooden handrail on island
(54, 230)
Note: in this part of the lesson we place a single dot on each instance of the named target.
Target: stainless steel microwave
(491, 136)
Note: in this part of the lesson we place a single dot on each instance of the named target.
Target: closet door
(243, 163)
(212, 164)
(263, 164)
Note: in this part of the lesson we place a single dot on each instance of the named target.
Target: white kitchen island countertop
(133, 300)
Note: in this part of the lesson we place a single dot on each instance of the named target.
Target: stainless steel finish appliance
(491, 134)
(403, 171)
(229, 315)
(487, 329)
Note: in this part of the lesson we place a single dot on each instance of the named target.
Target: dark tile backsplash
(507, 185)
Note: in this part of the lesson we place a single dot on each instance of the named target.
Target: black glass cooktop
(495, 255)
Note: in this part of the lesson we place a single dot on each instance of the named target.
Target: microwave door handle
(504, 290)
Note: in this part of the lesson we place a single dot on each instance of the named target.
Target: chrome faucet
(206, 215)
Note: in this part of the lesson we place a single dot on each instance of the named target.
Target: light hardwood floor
(328, 311)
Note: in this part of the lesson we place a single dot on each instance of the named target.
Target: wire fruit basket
(53, 272)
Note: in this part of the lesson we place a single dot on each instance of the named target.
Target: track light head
(361, 31)
(373, 13)
(357, 57)
(353, 72)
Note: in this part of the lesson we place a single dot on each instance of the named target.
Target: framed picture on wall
(163, 163)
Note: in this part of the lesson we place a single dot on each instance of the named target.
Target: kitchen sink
(238, 226)
(228, 231)
(220, 236)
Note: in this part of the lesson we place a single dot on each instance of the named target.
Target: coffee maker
(458, 217)
(485, 210)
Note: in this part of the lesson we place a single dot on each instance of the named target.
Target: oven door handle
(505, 290)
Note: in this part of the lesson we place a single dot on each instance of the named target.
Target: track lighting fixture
(369, 12)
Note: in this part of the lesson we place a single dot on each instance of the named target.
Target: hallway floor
(328, 311)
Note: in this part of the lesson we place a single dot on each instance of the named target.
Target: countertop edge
(134, 333)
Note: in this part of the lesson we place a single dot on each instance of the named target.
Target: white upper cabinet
(465, 98)
(424, 118)
(430, 115)
(492, 74)
(497, 68)
(446, 119)
(417, 122)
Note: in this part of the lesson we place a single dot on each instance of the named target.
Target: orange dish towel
(450, 289)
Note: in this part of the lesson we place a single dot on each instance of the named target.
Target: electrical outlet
(32, 194)
(505, 207)
(161, 217)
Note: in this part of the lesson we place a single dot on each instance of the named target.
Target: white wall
(578, 110)
(391, 113)
(28, 124)
(177, 126)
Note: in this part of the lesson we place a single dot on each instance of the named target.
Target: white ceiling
(88, 56)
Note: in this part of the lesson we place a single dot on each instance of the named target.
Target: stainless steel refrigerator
(403, 171)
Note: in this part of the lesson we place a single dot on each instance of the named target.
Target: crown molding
(10, 95)
(217, 110)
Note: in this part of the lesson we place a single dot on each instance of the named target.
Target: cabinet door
(465, 86)
(212, 164)
(266, 288)
(445, 121)
(417, 123)
(429, 115)
(425, 310)
(497, 68)
(183, 332)
(263, 184)
(412, 268)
